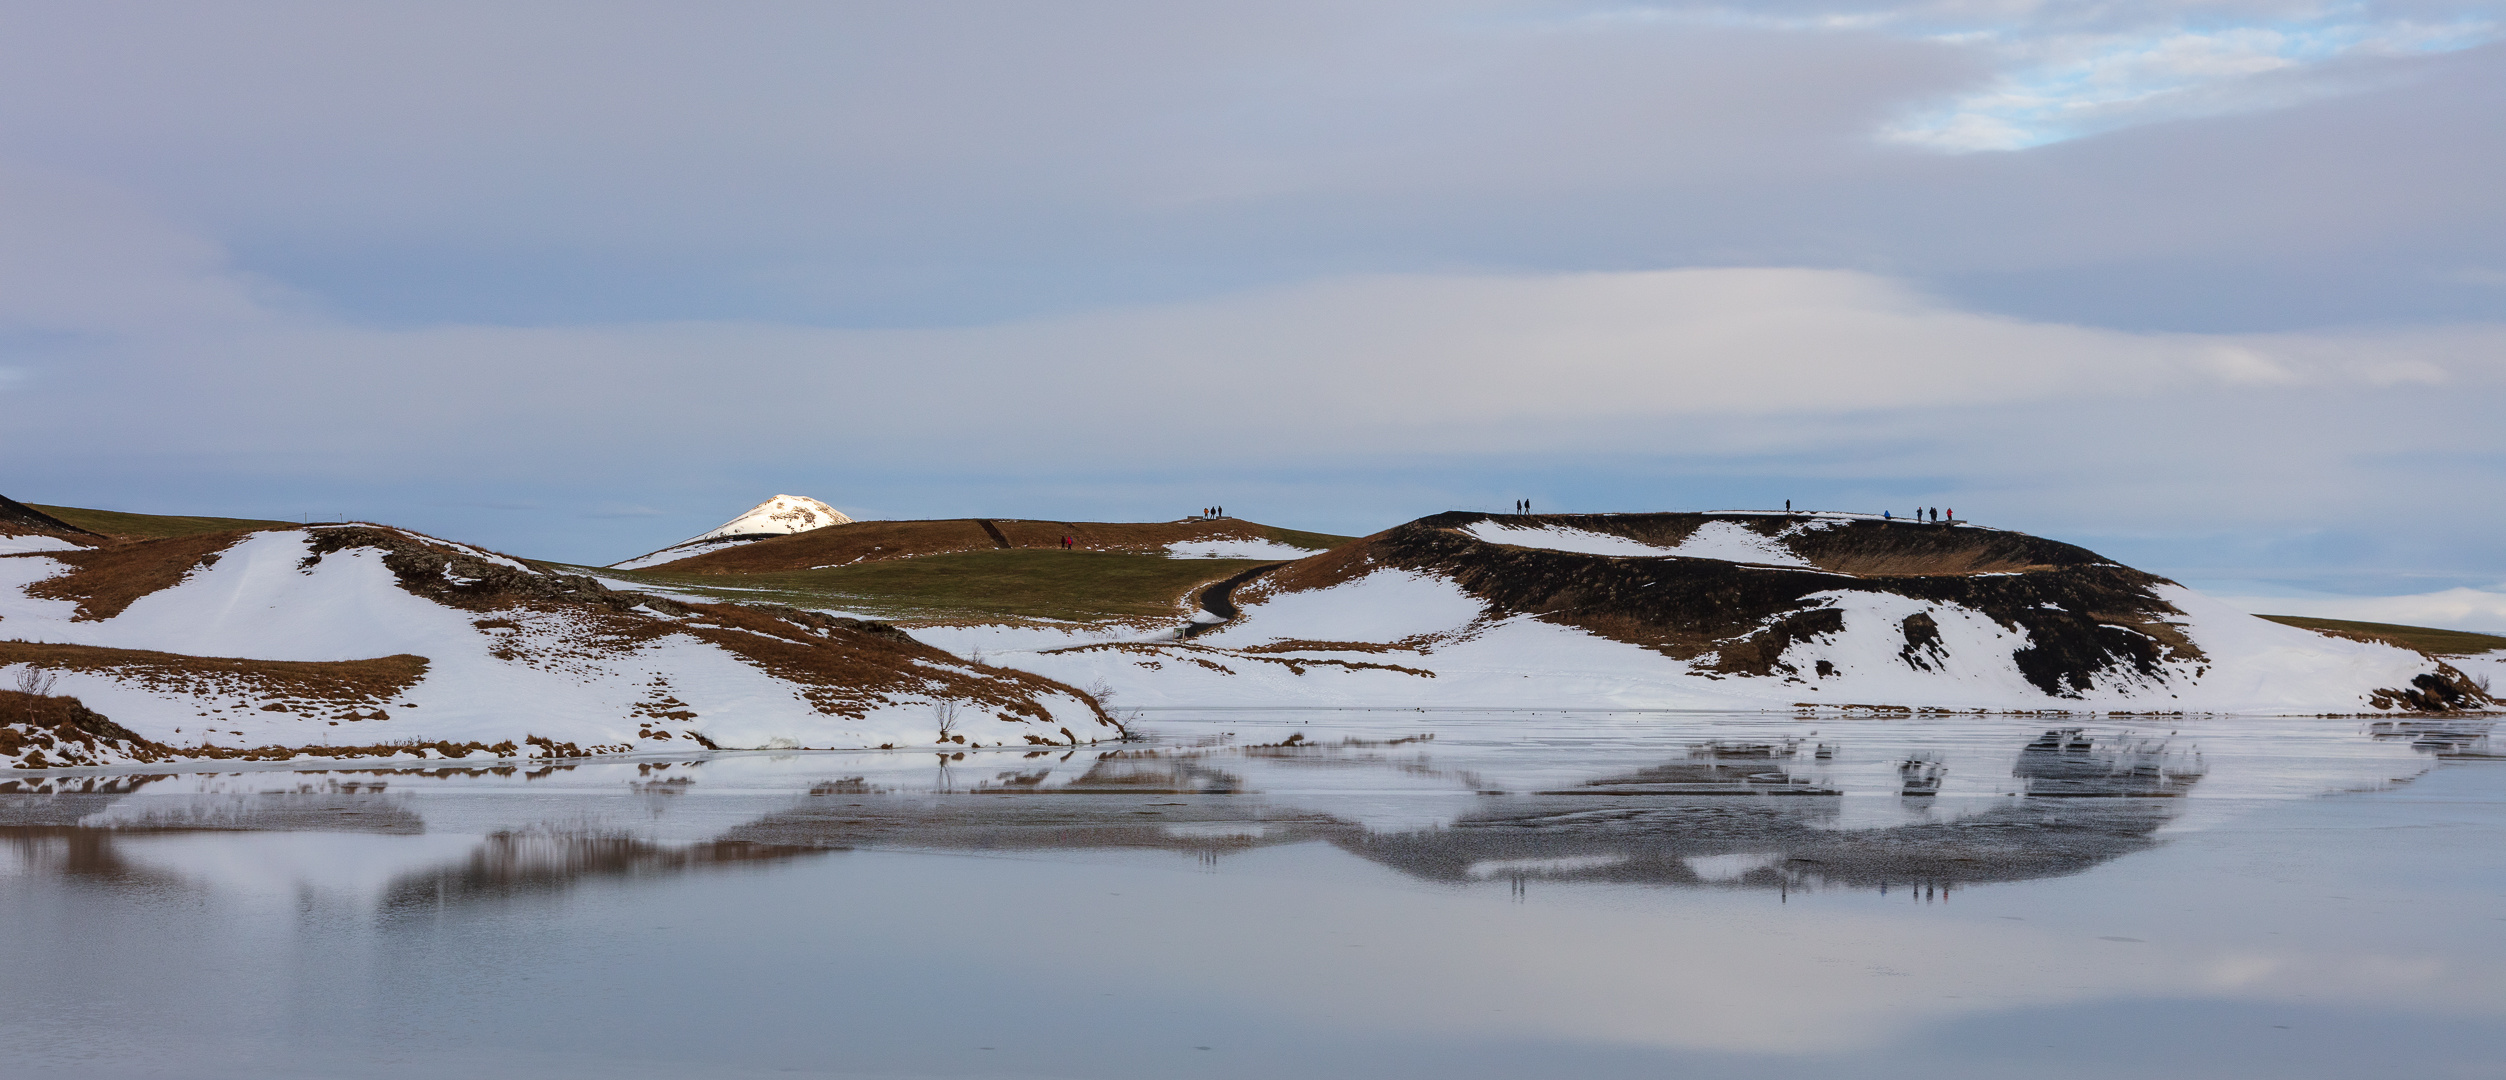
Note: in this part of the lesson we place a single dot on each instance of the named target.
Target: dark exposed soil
(17, 517)
(2082, 613)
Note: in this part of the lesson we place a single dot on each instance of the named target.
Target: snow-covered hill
(1731, 611)
(781, 515)
(362, 636)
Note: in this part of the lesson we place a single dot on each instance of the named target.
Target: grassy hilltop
(1079, 586)
(959, 569)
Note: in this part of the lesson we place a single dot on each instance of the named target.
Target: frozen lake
(1275, 893)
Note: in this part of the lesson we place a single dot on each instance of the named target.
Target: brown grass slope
(44, 730)
(312, 687)
(869, 541)
(105, 581)
(2426, 639)
(53, 731)
(2083, 614)
(128, 526)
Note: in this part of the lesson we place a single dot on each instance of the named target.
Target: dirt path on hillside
(1219, 599)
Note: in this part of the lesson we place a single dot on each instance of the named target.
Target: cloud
(2062, 70)
(955, 256)
(2062, 83)
(85, 256)
(969, 162)
(1853, 376)
(1416, 364)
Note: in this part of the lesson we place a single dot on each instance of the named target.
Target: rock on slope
(781, 515)
(1738, 611)
(360, 636)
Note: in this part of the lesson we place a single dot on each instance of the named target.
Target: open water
(1273, 893)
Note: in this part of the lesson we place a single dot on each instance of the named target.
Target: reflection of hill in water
(521, 863)
(1676, 823)
(1717, 768)
(1691, 840)
(318, 804)
(2455, 737)
(67, 825)
(2067, 763)
(1702, 818)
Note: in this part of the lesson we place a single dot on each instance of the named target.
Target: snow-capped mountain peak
(782, 515)
(778, 516)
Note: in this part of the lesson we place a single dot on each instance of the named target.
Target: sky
(2215, 288)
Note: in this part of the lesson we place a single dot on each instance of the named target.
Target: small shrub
(36, 682)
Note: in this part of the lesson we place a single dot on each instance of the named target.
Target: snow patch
(1725, 541)
(1234, 549)
(1387, 605)
(1563, 864)
(14, 545)
(1725, 868)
